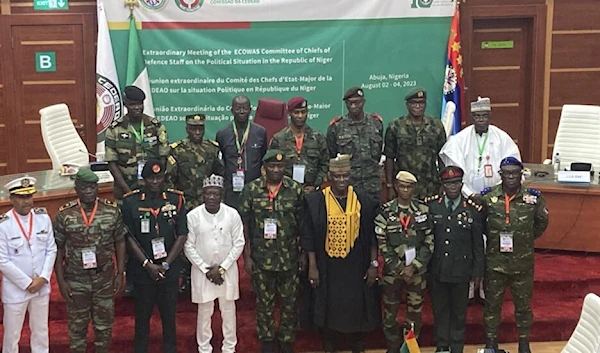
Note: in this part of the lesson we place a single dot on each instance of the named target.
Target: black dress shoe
(329, 346)
(285, 347)
(491, 345)
(442, 349)
(267, 347)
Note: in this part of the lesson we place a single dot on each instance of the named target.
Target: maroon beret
(296, 103)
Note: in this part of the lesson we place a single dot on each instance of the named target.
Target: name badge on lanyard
(145, 225)
(298, 173)
(158, 248)
(506, 242)
(140, 166)
(270, 231)
(88, 257)
(237, 180)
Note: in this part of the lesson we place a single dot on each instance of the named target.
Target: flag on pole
(410, 344)
(137, 72)
(108, 97)
(453, 99)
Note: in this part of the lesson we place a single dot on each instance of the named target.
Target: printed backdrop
(201, 53)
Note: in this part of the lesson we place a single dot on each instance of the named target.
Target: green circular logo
(153, 5)
(189, 5)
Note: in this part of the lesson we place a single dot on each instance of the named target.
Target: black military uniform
(155, 223)
(457, 258)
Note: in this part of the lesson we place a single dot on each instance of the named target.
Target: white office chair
(586, 337)
(578, 135)
(63, 143)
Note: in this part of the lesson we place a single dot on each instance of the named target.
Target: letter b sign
(45, 62)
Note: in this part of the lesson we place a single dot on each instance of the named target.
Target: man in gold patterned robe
(338, 234)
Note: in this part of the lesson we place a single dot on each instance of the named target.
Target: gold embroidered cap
(341, 163)
(21, 186)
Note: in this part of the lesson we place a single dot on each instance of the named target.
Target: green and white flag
(109, 105)
(137, 73)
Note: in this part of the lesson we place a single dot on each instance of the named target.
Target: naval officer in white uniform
(27, 254)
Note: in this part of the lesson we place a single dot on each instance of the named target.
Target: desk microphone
(93, 155)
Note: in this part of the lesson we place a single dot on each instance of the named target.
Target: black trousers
(164, 295)
(449, 302)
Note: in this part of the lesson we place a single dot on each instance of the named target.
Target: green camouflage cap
(85, 175)
(416, 92)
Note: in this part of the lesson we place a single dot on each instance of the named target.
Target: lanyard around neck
(138, 136)
(241, 145)
(87, 221)
(507, 200)
(481, 148)
(28, 234)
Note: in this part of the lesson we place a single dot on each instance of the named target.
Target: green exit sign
(50, 4)
(45, 61)
(499, 44)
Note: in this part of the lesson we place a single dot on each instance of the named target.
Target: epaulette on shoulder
(215, 143)
(133, 192)
(68, 205)
(378, 117)
(534, 192)
(3, 217)
(175, 191)
(335, 120)
(486, 190)
(109, 203)
(40, 210)
(171, 159)
(475, 205)
(155, 121)
(431, 198)
(175, 144)
(116, 122)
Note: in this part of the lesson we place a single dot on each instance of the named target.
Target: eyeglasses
(511, 175)
(420, 104)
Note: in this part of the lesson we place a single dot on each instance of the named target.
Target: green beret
(195, 119)
(273, 156)
(416, 92)
(85, 175)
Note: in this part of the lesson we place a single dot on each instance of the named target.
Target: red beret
(451, 173)
(296, 103)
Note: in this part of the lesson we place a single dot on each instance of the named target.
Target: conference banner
(201, 53)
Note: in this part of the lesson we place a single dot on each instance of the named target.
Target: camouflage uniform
(92, 289)
(276, 260)
(188, 165)
(393, 243)
(363, 140)
(122, 147)
(415, 149)
(313, 156)
(527, 221)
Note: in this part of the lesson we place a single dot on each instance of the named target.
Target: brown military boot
(524, 345)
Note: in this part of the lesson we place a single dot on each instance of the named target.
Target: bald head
(240, 108)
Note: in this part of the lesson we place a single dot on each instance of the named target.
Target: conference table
(574, 212)
(53, 190)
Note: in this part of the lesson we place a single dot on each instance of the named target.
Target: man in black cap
(242, 146)
(130, 141)
(156, 218)
(412, 143)
(359, 135)
(457, 259)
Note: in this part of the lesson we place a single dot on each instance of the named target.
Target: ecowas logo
(108, 103)
(425, 4)
(153, 5)
(189, 5)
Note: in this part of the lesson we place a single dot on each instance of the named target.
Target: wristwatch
(221, 270)
(375, 263)
(166, 266)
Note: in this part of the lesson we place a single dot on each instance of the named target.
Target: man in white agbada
(478, 150)
(215, 242)
(27, 254)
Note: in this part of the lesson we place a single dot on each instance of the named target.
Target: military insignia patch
(494, 199)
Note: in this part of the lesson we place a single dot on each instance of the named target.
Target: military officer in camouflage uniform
(131, 141)
(516, 216)
(191, 160)
(89, 231)
(405, 235)
(412, 143)
(457, 259)
(271, 210)
(360, 135)
(305, 148)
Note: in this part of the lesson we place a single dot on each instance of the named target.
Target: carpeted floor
(561, 282)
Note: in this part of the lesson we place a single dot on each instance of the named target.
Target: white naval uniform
(20, 261)
(215, 239)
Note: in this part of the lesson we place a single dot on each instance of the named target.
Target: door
(501, 57)
(53, 62)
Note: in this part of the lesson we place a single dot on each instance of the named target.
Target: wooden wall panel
(576, 50)
(553, 119)
(489, 80)
(75, 6)
(574, 88)
(3, 118)
(576, 14)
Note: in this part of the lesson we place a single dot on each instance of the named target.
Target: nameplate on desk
(568, 176)
(105, 176)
